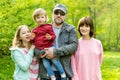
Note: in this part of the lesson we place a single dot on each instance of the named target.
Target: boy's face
(40, 19)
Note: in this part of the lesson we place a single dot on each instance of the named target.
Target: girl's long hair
(17, 42)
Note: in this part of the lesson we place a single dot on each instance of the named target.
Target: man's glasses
(59, 12)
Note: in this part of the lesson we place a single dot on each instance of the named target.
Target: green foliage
(17, 12)
(6, 68)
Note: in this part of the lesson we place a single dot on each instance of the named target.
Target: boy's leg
(38, 52)
(59, 67)
(47, 65)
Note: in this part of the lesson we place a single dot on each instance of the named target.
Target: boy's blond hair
(38, 12)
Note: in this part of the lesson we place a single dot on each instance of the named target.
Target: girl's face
(25, 34)
(85, 30)
(41, 19)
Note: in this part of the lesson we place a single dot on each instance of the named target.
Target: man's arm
(66, 49)
(71, 47)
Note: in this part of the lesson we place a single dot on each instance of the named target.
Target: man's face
(59, 17)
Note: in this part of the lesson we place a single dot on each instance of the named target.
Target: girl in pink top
(87, 60)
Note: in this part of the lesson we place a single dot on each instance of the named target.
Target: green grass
(110, 67)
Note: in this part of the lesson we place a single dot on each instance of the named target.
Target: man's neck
(57, 25)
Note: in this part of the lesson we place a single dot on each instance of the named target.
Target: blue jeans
(56, 62)
(57, 75)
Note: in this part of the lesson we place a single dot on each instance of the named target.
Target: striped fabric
(34, 68)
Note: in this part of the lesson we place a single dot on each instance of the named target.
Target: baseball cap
(60, 7)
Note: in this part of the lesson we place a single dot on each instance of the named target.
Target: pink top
(87, 60)
(34, 67)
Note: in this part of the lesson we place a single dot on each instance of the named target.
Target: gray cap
(60, 7)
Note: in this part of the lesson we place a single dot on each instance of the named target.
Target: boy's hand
(32, 36)
(48, 36)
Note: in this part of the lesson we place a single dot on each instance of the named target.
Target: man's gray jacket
(67, 45)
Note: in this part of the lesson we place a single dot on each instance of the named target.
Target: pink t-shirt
(87, 60)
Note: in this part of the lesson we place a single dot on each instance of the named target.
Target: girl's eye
(42, 17)
(37, 17)
(81, 25)
(87, 25)
(28, 31)
(23, 33)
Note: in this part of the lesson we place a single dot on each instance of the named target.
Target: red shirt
(40, 41)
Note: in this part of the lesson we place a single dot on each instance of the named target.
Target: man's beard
(58, 22)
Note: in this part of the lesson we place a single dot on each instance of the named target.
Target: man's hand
(49, 53)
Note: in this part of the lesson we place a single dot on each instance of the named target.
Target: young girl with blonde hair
(22, 53)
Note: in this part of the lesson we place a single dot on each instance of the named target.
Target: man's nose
(59, 14)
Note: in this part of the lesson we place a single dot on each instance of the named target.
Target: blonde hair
(17, 42)
(38, 12)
